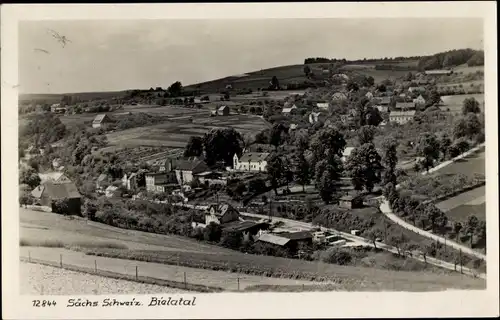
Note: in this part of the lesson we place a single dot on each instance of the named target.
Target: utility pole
(270, 208)
(461, 269)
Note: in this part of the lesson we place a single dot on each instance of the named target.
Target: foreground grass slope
(178, 250)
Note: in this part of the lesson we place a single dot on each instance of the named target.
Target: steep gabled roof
(57, 191)
(254, 156)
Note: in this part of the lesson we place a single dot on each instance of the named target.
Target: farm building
(48, 193)
(251, 161)
(221, 214)
(249, 229)
(350, 202)
(289, 240)
(401, 117)
(99, 120)
(322, 105)
(160, 181)
(53, 177)
(293, 126)
(404, 106)
(369, 95)
(438, 72)
(185, 169)
(223, 111)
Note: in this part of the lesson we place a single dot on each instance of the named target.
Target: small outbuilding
(351, 202)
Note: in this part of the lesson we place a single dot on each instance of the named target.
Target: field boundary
(120, 276)
(458, 192)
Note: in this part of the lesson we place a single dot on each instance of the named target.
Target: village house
(102, 181)
(56, 108)
(322, 105)
(382, 108)
(100, 120)
(339, 96)
(160, 181)
(347, 153)
(401, 117)
(416, 89)
(419, 102)
(404, 106)
(223, 111)
(112, 191)
(53, 177)
(251, 161)
(130, 181)
(221, 214)
(48, 193)
(438, 72)
(57, 164)
(315, 117)
(289, 110)
(351, 202)
(383, 101)
(293, 126)
(185, 169)
(369, 95)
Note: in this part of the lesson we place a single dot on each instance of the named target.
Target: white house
(288, 111)
(111, 191)
(369, 95)
(251, 161)
(129, 181)
(401, 117)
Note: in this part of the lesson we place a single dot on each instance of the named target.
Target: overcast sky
(118, 55)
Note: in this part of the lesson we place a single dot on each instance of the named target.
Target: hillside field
(176, 133)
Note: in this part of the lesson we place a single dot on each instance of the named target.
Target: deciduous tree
(364, 167)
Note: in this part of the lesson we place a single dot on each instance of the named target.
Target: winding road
(387, 211)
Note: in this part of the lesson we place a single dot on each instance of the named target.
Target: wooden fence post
(60, 260)
(185, 281)
(238, 283)
(136, 273)
(95, 266)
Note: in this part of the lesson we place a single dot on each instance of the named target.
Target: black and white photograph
(169, 157)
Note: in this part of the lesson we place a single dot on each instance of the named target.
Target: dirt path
(225, 280)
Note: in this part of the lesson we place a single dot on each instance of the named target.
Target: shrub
(336, 256)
